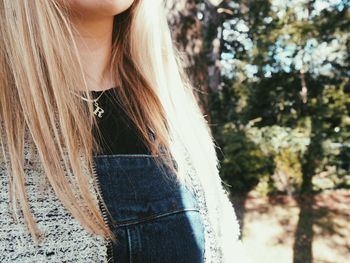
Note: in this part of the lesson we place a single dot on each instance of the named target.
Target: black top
(119, 134)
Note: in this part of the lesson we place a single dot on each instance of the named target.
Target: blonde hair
(40, 69)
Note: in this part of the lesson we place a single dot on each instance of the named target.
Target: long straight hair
(40, 71)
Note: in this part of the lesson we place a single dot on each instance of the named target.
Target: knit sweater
(67, 241)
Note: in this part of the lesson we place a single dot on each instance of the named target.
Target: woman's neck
(94, 42)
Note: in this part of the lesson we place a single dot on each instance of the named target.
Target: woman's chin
(94, 8)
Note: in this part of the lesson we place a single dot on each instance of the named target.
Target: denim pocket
(176, 236)
(139, 190)
(154, 218)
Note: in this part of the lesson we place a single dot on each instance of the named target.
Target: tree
(194, 25)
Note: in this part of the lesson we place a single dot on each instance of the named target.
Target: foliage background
(273, 80)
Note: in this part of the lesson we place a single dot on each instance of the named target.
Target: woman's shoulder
(63, 236)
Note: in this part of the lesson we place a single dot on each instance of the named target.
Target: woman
(67, 194)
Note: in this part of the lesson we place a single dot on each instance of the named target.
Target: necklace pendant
(98, 111)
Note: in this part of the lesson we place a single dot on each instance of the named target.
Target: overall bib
(154, 217)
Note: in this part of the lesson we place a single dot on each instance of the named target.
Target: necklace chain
(98, 111)
(94, 100)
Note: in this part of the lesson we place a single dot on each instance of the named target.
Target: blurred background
(272, 78)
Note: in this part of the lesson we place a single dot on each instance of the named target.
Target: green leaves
(289, 70)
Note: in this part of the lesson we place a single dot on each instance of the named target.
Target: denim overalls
(155, 218)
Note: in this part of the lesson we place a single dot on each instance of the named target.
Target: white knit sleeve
(232, 248)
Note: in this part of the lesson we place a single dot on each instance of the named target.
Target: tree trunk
(194, 29)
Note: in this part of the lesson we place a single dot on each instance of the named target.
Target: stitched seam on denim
(137, 221)
(129, 244)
